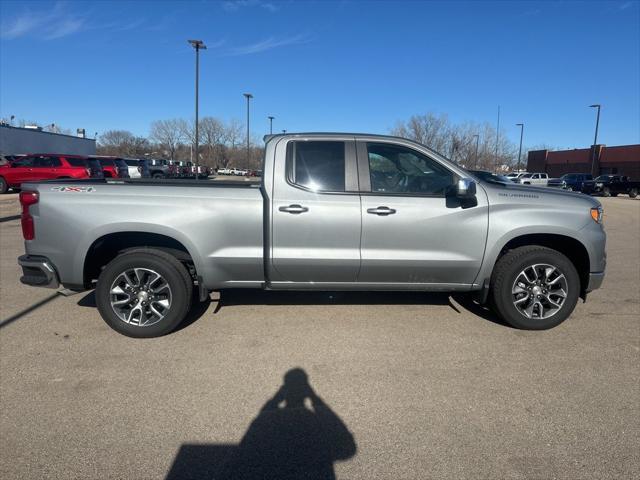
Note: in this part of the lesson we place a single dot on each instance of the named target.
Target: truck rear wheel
(633, 193)
(534, 287)
(144, 293)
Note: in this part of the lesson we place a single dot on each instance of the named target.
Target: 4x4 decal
(74, 189)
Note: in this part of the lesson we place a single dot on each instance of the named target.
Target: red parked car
(35, 167)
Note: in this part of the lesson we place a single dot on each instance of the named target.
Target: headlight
(596, 214)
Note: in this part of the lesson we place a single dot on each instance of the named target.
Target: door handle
(383, 211)
(294, 209)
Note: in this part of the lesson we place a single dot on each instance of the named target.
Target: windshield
(527, 175)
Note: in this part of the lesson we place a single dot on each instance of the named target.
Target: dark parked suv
(572, 181)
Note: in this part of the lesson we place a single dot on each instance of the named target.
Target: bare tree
(213, 134)
(233, 135)
(458, 141)
(115, 142)
(122, 143)
(168, 135)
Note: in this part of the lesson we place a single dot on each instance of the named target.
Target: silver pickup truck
(332, 212)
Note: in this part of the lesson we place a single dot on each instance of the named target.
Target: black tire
(171, 270)
(507, 270)
(606, 192)
(614, 194)
(158, 175)
(4, 187)
(633, 193)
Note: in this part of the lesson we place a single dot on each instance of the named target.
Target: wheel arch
(570, 247)
(107, 247)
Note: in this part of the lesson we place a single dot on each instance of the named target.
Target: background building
(620, 160)
(17, 140)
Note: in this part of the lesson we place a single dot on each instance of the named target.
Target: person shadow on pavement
(296, 435)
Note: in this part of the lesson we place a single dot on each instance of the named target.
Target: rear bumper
(38, 271)
(595, 281)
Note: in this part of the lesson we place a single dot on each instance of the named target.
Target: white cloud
(52, 24)
(268, 44)
(235, 5)
(58, 22)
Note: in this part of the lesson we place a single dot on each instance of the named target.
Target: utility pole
(249, 97)
(198, 45)
(595, 141)
(477, 145)
(271, 124)
(497, 140)
(521, 125)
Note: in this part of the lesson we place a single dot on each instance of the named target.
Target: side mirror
(465, 188)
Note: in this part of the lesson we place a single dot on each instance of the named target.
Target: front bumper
(38, 271)
(595, 281)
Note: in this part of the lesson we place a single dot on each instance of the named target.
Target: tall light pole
(271, 124)
(198, 45)
(475, 163)
(595, 140)
(284, 131)
(521, 125)
(249, 97)
(497, 138)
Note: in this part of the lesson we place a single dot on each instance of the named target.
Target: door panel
(21, 170)
(424, 241)
(316, 233)
(413, 231)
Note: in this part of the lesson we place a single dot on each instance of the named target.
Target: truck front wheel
(534, 287)
(144, 293)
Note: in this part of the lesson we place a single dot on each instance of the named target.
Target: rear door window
(317, 165)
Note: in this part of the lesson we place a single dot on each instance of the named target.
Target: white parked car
(132, 165)
(539, 179)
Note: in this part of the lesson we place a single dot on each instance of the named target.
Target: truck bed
(220, 224)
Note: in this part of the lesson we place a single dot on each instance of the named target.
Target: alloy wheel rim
(140, 297)
(539, 291)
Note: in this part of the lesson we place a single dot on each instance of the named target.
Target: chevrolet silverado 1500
(332, 212)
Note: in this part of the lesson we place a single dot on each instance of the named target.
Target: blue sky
(327, 66)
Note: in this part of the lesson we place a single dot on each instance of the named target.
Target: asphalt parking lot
(396, 386)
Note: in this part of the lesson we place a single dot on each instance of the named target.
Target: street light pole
(198, 45)
(595, 139)
(521, 125)
(475, 163)
(249, 97)
(271, 124)
(497, 139)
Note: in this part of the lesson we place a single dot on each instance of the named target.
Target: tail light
(88, 170)
(26, 200)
